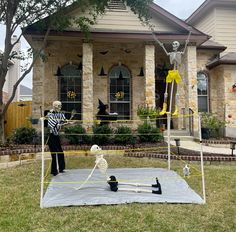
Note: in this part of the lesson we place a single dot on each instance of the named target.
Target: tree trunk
(2, 135)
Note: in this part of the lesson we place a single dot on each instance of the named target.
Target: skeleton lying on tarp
(102, 165)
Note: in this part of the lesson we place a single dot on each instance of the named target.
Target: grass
(20, 192)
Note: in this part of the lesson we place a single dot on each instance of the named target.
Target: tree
(21, 13)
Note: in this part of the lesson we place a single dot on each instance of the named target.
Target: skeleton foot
(157, 185)
(176, 113)
(113, 183)
(164, 109)
(157, 192)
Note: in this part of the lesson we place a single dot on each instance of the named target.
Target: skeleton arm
(159, 42)
(186, 42)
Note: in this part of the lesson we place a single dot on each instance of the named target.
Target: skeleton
(56, 119)
(100, 162)
(173, 75)
(186, 170)
(102, 165)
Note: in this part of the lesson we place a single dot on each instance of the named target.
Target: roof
(196, 36)
(24, 90)
(205, 7)
(212, 45)
(228, 59)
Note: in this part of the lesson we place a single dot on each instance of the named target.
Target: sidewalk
(192, 145)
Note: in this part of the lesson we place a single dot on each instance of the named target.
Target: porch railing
(191, 122)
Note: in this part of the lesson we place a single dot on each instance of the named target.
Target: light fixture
(177, 143)
(141, 73)
(120, 76)
(102, 73)
(104, 52)
(80, 66)
(232, 147)
(58, 74)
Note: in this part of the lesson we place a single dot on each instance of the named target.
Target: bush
(123, 135)
(149, 133)
(212, 123)
(76, 135)
(102, 134)
(24, 135)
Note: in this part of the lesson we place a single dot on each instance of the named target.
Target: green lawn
(20, 211)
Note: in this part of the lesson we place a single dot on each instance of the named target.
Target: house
(217, 18)
(123, 57)
(25, 93)
(13, 74)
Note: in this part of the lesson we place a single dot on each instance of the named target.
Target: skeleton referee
(55, 120)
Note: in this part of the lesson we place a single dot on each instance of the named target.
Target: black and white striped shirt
(55, 120)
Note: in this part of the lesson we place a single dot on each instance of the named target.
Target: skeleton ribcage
(102, 165)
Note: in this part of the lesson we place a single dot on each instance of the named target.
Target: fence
(18, 115)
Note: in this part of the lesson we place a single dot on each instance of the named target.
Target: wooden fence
(18, 115)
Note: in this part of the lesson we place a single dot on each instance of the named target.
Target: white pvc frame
(169, 163)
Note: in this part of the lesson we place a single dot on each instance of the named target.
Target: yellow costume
(173, 75)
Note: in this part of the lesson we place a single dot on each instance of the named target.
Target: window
(202, 91)
(119, 94)
(70, 90)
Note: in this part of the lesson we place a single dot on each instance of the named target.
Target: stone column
(38, 91)
(87, 86)
(150, 75)
(191, 76)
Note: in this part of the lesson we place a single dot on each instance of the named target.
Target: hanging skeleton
(173, 75)
(102, 165)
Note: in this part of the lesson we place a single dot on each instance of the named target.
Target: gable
(120, 18)
(119, 22)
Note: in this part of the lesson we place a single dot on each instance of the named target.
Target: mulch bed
(157, 150)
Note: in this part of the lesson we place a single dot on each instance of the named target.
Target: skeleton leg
(164, 109)
(156, 185)
(176, 112)
(114, 186)
(89, 176)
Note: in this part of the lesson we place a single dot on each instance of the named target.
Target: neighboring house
(13, 75)
(217, 18)
(25, 93)
(78, 73)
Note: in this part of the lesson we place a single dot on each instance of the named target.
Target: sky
(180, 8)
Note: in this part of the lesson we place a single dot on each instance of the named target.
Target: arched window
(202, 91)
(120, 91)
(70, 89)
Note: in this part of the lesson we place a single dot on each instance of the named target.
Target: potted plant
(145, 112)
(211, 125)
(234, 87)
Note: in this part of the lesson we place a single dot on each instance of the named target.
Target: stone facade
(94, 87)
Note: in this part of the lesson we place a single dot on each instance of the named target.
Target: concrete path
(217, 149)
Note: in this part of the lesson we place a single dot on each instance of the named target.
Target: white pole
(202, 167)
(42, 162)
(169, 121)
(168, 138)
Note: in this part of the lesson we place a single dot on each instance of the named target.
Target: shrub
(76, 135)
(102, 134)
(123, 135)
(213, 123)
(145, 112)
(149, 133)
(24, 135)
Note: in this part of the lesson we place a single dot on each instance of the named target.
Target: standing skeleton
(102, 165)
(173, 75)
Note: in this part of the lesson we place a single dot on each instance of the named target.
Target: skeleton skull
(175, 45)
(57, 106)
